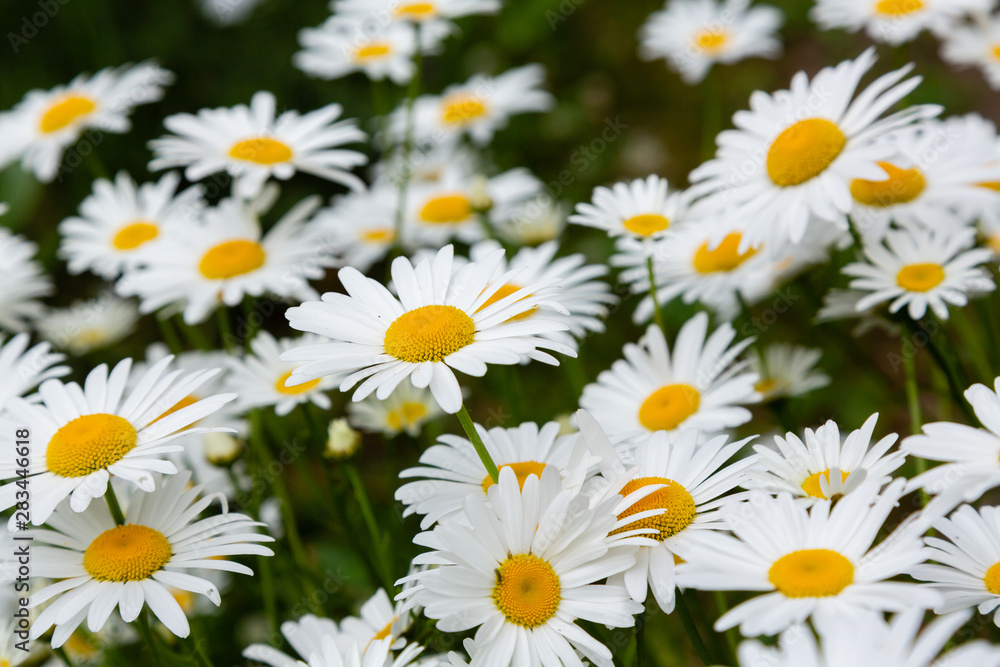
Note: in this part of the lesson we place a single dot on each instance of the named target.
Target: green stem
(169, 335)
(477, 442)
(268, 592)
(146, 632)
(692, 630)
(379, 545)
(63, 655)
(657, 313)
(732, 640)
(225, 330)
(956, 384)
(194, 335)
(116, 509)
(912, 392)
(640, 640)
(196, 646)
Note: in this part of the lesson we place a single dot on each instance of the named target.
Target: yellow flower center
(522, 470)
(898, 7)
(674, 498)
(64, 112)
(384, 235)
(384, 632)
(812, 484)
(921, 277)
(232, 258)
(89, 443)
(179, 405)
(446, 209)
(765, 386)
(126, 553)
(992, 579)
(429, 333)
(408, 413)
(295, 389)
(724, 257)
(503, 293)
(902, 186)
(711, 40)
(527, 591)
(667, 407)
(811, 573)
(804, 151)
(462, 108)
(416, 11)
(133, 235)
(261, 150)
(371, 52)
(646, 224)
(991, 185)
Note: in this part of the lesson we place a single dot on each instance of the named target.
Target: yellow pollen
(527, 591)
(646, 224)
(902, 186)
(724, 257)
(711, 40)
(384, 632)
(378, 236)
(295, 389)
(126, 553)
(413, 411)
(992, 579)
(64, 112)
(133, 235)
(429, 333)
(921, 277)
(89, 443)
(812, 485)
(416, 11)
(179, 405)
(898, 7)
(811, 573)
(667, 407)
(674, 498)
(371, 52)
(522, 470)
(446, 209)
(232, 258)
(804, 151)
(461, 109)
(261, 150)
(503, 293)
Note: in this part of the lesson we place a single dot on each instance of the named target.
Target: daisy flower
(360, 227)
(119, 218)
(259, 377)
(129, 566)
(406, 410)
(201, 266)
(842, 304)
(532, 222)
(342, 46)
(699, 385)
(321, 650)
(693, 35)
(894, 21)
(787, 371)
(46, 122)
(922, 269)
(89, 325)
(440, 322)
(24, 368)
(424, 13)
(643, 209)
(808, 163)
(453, 471)
(823, 466)
(98, 431)
(816, 562)
(977, 45)
(527, 572)
(22, 281)
(251, 144)
(380, 619)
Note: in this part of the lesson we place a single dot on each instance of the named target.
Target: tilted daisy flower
(129, 566)
(119, 218)
(22, 281)
(89, 325)
(380, 619)
(894, 21)
(439, 323)
(360, 227)
(321, 650)
(532, 222)
(527, 571)
(252, 144)
(46, 122)
(699, 384)
(425, 13)
(803, 167)
(453, 471)
(976, 44)
(822, 466)
(922, 269)
(787, 371)
(693, 35)
(644, 208)
(816, 562)
(202, 266)
(406, 410)
(24, 368)
(99, 430)
(342, 46)
(259, 377)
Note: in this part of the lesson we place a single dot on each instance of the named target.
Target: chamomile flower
(894, 21)
(453, 471)
(321, 650)
(119, 218)
(808, 163)
(527, 571)
(922, 269)
(693, 35)
(699, 384)
(440, 322)
(129, 566)
(380, 619)
(252, 144)
(816, 562)
(89, 325)
(22, 281)
(306, 636)
(425, 12)
(202, 266)
(533, 221)
(342, 46)
(976, 44)
(787, 371)
(645, 209)
(360, 227)
(822, 466)
(259, 377)
(24, 368)
(46, 122)
(406, 410)
(97, 431)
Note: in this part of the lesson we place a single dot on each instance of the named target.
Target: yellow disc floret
(921, 277)
(64, 112)
(522, 470)
(261, 150)
(133, 235)
(127, 553)
(527, 590)
(724, 257)
(416, 11)
(711, 40)
(294, 390)
(461, 109)
(503, 293)
(811, 573)
(812, 483)
(89, 443)
(667, 407)
(804, 151)
(992, 579)
(232, 258)
(446, 209)
(369, 52)
(429, 333)
(674, 498)
(646, 224)
(902, 186)
(898, 7)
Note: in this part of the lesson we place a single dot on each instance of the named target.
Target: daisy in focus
(251, 144)
(129, 566)
(342, 46)
(440, 323)
(977, 45)
(24, 368)
(22, 281)
(46, 122)
(787, 371)
(693, 35)
(405, 411)
(89, 325)
(645, 209)
(895, 21)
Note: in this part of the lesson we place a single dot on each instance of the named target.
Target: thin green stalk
(195, 646)
(116, 509)
(169, 335)
(657, 313)
(225, 330)
(956, 384)
(195, 336)
(640, 640)
(477, 442)
(692, 630)
(732, 640)
(379, 545)
(268, 593)
(63, 655)
(912, 392)
(711, 116)
(146, 632)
